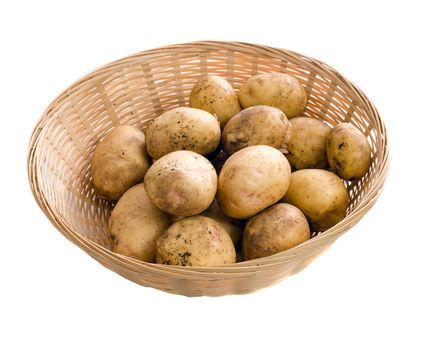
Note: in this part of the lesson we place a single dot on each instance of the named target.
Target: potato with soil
(274, 230)
(307, 147)
(348, 152)
(195, 241)
(119, 162)
(278, 90)
(135, 225)
(251, 180)
(257, 125)
(182, 128)
(232, 226)
(320, 195)
(215, 95)
(181, 183)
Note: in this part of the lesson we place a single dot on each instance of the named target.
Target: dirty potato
(320, 195)
(251, 180)
(307, 147)
(257, 125)
(182, 128)
(274, 230)
(135, 225)
(181, 183)
(232, 226)
(215, 95)
(348, 152)
(119, 162)
(195, 241)
(278, 90)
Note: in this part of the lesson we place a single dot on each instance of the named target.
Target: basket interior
(135, 90)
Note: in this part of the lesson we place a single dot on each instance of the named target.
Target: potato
(215, 95)
(182, 128)
(307, 148)
(119, 162)
(181, 183)
(135, 225)
(278, 90)
(232, 226)
(348, 152)
(274, 230)
(257, 125)
(320, 195)
(195, 241)
(251, 180)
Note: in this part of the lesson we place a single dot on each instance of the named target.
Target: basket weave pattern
(138, 88)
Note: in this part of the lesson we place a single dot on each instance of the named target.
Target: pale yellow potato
(320, 195)
(348, 152)
(251, 180)
(119, 162)
(182, 128)
(215, 95)
(257, 125)
(278, 90)
(181, 183)
(274, 230)
(135, 225)
(232, 226)
(307, 147)
(195, 241)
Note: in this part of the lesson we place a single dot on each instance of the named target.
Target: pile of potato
(233, 172)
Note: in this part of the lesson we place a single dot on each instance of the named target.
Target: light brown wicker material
(138, 88)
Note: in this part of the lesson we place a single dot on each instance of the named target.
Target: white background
(366, 292)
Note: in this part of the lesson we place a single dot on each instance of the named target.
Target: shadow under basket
(138, 88)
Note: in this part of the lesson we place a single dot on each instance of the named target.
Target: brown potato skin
(307, 147)
(182, 128)
(278, 90)
(276, 229)
(135, 225)
(182, 183)
(251, 180)
(257, 125)
(348, 152)
(119, 162)
(195, 241)
(320, 195)
(215, 95)
(232, 226)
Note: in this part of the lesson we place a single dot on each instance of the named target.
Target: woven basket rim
(96, 249)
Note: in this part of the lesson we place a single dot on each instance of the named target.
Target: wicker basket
(138, 88)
